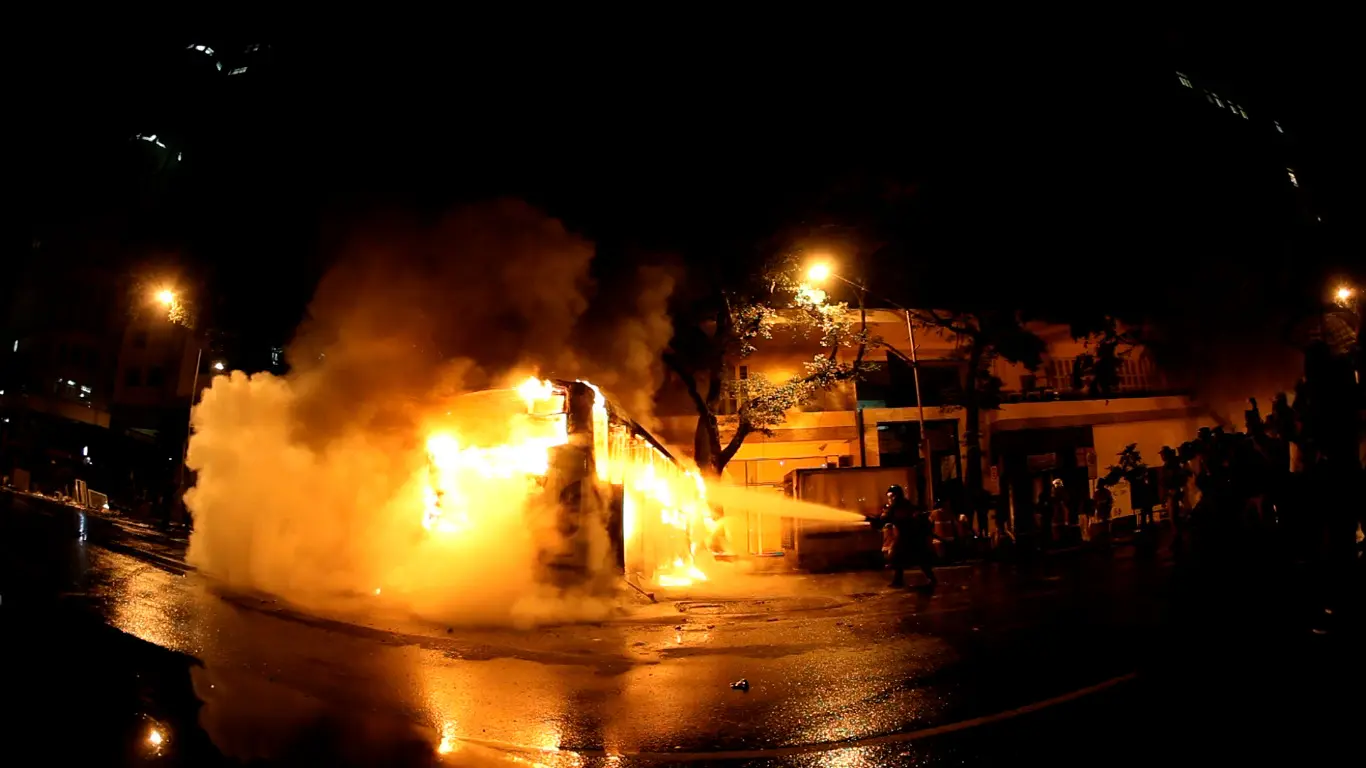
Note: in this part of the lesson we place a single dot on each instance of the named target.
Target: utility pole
(818, 274)
(189, 422)
(920, 413)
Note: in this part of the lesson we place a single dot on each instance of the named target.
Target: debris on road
(740, 685)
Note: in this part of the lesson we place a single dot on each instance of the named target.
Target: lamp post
(820, 272)
(1349, 298)
(175, 314)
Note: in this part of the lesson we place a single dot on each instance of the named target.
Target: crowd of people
(1220, 485)
(1262, 479)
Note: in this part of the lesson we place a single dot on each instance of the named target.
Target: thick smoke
(310, 486)
(621, 339)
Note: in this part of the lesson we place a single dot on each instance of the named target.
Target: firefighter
(906, 537)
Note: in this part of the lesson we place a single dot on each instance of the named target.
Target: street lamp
(174, 313)
(218, 366)
(1346, 297)
(821, 271)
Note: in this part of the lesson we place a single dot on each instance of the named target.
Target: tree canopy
(718, 330)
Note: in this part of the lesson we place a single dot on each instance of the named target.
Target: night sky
(947, 164)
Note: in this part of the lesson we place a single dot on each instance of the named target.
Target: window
(1060, 375)
(139, 340)
(1137, 375)
(156, 377)
(1184, 80)
(1279, 129)
(236, 71)
(132, 377)
(1294, 182)
(733, 400)
(1242, 112)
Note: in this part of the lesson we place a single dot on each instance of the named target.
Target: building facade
(1045, 427)
(89, 393)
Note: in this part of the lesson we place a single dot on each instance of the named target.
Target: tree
(1096, 370)
(717, 331)
(1130, 468)
(985, 335)
(988, 334)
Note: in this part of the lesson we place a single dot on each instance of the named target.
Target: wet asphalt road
(1088, 657)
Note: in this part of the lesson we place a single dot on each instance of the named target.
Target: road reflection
(280, 686)
(137, 604)
(532, 712)
(277, 685)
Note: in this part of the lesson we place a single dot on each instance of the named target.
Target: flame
(462, 477)
(600, 433)
(682, 575)
(534, 390)
(466, 481)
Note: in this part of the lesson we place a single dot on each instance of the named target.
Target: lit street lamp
(176, 313)
(218, 366)
(818, 273)
(821, 271)
(1346, 297)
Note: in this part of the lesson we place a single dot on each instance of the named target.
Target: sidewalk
(110, 530)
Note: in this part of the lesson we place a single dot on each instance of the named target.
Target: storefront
(1032, 462)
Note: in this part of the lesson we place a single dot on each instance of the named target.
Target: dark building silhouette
(95, 382)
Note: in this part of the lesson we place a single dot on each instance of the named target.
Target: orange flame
(467, 481)
(534, 390)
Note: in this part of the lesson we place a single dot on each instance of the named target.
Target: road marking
(826, 746)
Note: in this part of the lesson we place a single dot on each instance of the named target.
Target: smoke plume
(310, 485)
